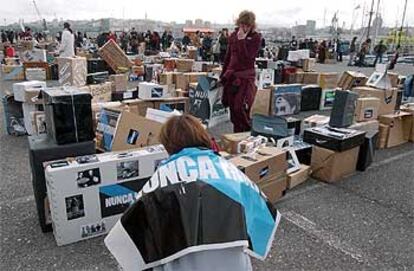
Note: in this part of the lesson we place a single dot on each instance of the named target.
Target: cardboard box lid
(389, 118)
(236, 137)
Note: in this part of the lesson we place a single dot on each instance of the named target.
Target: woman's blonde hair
(246, 17)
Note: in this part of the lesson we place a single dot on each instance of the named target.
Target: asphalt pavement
(364, 222)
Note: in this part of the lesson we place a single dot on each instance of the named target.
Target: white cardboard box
(24, 91)
(88, 194)
(148, 90)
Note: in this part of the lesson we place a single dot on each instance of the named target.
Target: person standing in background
(223, 40)
(67, 45)
(238, 75)
(364, 50)
(352, 51)
(379, 50)
(339, 50)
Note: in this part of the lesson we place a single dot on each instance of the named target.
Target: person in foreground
(197, 212)
(238, 75)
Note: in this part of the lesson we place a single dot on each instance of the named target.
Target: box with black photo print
(88, 194)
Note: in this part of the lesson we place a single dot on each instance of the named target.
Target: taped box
(38, 120)
(328, 80)
(399, 128)
(298, 177)
(120, 130)
(351, 79)
(387, 98)
(27, 92)
(41, 65)
(330, 166)
(72, 71)
(35, 74)
(101, 93)
(88, 194)
(367, 109)
(230, 142)
(184, 65)
(409, 108)
(119, 82)
(115, 57)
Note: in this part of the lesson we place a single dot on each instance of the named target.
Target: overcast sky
(273, 12)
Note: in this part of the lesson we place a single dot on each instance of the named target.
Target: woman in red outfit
(238, 76)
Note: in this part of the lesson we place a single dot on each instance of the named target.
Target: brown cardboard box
(192, 53)
(315, 121)
(409, 108)
(138, 70)
(101, 93)
(72, 71)
(119, 82)
(169, 64)
(264, 165)
(193, 76)
(166, 78)
(310, 78)
(309, 64)
(182, 82)
(399, 128)
(43, 65)
(350, 79)
(12, 72)
(367, 109)
(97, 107)
(330, 166)
(262, 102)
(299, 176)
(230, 142)
(137, 106)
(128, 130)
(383, 132)
(328, 80)
(384, 108)
(184, 65)
(275, 188)
(115, 57)
(299, 77)
(367, 126)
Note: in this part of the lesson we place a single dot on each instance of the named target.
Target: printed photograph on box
(285, 105)
(88, 177)
(87, 159)
(93, 229)
(74, 207)
(116, 198)
(127, 170)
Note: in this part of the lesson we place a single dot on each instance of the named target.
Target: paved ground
(363, 222)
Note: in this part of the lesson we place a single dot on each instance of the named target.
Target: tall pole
(376, 23)
(402, 24)
(371, 12)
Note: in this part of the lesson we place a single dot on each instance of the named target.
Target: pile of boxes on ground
(94, 142)
(366, 114)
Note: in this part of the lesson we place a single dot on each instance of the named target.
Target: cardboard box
(148, 90)
(388, 98)
(167, 78)
(330, 166)
(310, 78)
(266, 164)
(170, 104)
(264, 78)
(308, 64)
(43, 149)
(367, 109)
(230, 142)
(383, 132)
(315, 121)
(13, 116)
(194, 76)
(28, 109)
(328, 80)
(41, 65)
(205, 102)
(393, 79)
(275, 188)
(12, 72)
(182, 82)
(298, 177)
(351, 79)
(101, 93)
(409, 108)
(35, 74)
(88, 194)
(169, 64)
(184, 65)
(122, 130)
(35, 55)
(119, 82)
(399, 131)
(367, 126)
(72, 71)
(115, 57)
(262, 101)
(138, 106)
(138, 70)
(28, 92)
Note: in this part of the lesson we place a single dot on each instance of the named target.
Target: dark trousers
(378, 56)
(240, 104)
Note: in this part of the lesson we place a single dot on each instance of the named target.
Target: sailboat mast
(402, 24)
(371, 12)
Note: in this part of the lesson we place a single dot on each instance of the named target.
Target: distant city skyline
(276, 13)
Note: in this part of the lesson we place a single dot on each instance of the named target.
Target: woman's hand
(241, 35)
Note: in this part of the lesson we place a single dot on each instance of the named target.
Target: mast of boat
(377, 18)
(371, 12)
(402, 24)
